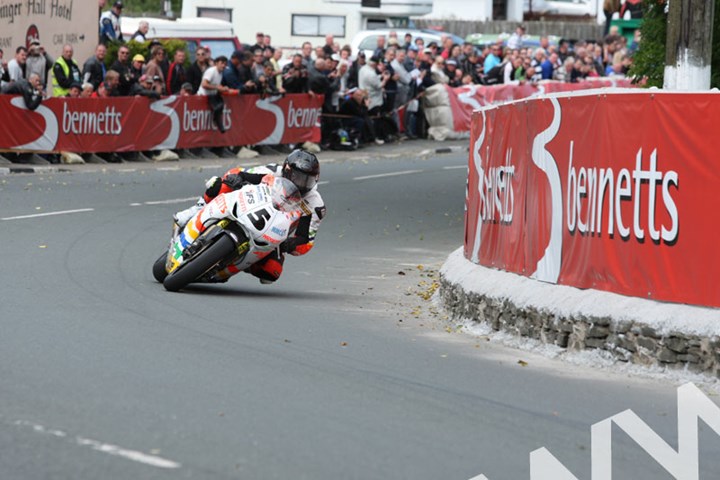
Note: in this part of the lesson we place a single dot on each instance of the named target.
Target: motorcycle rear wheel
(198, 266)
(158, 268)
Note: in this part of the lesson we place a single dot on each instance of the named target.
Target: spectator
(3, 69)
(275, 60)
(94, 68)
(453, 73)
(266, 82)
(352, 81)
(516, 39)
(65, 72)
(380, 48)
(137, 68)
(31, 90)
(153, 68)
(438, 71)
(110, 24)
(360, 124)
(563, 50)
(634, 7)
(87, 90)
(246, 76)
(328, 47)
(257, 66)
(295, 75)
(447, 45)
(324, 81)
(410, 56)
(158, 85)
(319, 54)
(75, 90)
(267, 41)
(407, 41)
(307, 55)
(212, 87)
(176, 74)
(197, 69)
(493, 59)
(404, 78)
(17, 66)
(186, 90)
(545, 44)
(420, 44)
(509, 71)
(141, 34)
(112, 83)
(548, 66)
(144, 88)
(391, 86)
(38, 62)
(259, 42)
(370, 82)
(122, 67)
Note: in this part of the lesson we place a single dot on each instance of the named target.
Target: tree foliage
(649, 60)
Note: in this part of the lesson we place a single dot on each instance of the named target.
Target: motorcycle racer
(300, 167)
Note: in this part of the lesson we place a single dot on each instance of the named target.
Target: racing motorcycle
(232, 232)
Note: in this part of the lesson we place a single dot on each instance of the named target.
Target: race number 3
(259, 218)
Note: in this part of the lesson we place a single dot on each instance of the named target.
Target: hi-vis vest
(59, 91)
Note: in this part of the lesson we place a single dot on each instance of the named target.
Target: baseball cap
(118, 4)
(427, 50)
(138, 58)
(374, 59)
(156, 78)
(451, 62)
(34, 41)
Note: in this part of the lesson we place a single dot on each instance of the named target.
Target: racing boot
(183, 216)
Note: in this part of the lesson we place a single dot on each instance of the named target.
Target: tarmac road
(338, 371)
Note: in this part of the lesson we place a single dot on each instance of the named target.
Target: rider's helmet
(303, 169)
(285, 195)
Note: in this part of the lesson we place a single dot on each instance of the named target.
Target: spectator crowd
(363, 93)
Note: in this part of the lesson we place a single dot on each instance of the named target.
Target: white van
(217, 35)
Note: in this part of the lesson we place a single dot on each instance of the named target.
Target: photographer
(295, 76)
(324, 81)
(38, 62)
(266, 82)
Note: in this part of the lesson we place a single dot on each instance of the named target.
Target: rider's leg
(269, 269)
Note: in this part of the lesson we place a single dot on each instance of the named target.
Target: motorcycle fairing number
(259, 219)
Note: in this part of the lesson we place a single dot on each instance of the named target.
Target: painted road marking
(48, 214)
(454, 167)
(323, 183)
(173, 200)
(391, 174)
(133, 455)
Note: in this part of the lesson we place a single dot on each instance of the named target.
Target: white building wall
(274, 17)
(479, 10)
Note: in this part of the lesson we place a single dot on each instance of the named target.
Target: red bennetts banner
(139, 124)
(613, 192)
(468, 98)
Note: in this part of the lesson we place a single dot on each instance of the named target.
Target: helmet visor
(304, 181)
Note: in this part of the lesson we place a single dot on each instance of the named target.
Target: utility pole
(689, 44)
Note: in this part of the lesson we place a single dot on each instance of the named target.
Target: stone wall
(571, 30)
(627, 341)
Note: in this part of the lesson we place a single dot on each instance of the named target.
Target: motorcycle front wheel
(158, 269)
(203, 262)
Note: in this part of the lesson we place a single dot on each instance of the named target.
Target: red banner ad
(138, 124)
(600, 190)
(468, 98)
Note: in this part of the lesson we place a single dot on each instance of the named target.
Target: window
(218, 13)
(318, 25)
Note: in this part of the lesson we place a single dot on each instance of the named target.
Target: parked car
(480, 40)
(366, 40)
(217, 35)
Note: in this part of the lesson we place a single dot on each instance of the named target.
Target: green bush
(649, 60)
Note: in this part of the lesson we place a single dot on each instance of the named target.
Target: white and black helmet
(303, 169)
